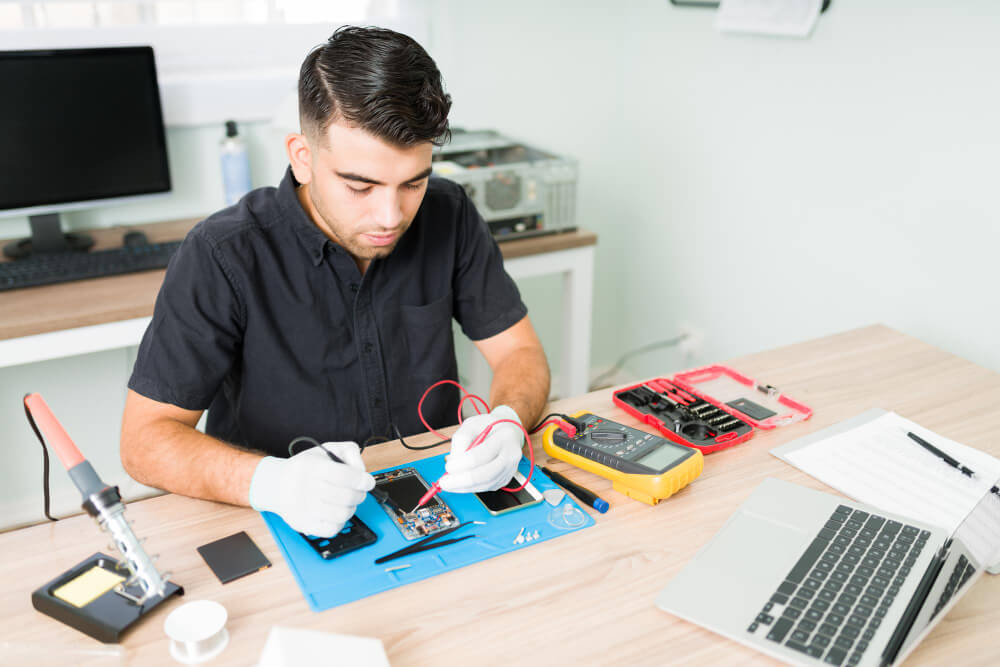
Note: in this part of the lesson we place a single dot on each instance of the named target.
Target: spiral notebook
(871, 459)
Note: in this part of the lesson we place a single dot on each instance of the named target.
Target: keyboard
(961, 573)
(50, 268)
(837, 594)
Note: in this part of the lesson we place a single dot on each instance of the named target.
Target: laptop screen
(980, 531)
(975, 546)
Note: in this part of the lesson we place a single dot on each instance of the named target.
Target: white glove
(489, 465)
(311, 492)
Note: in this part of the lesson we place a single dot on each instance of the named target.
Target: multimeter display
(642, 465)
(662, 458)
(621, 447)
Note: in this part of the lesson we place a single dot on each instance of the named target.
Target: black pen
(941, 455)
(585, 495)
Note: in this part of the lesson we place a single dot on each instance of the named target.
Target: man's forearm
(175, 457)
(521, 381)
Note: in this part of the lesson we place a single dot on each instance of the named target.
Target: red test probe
(436, 486)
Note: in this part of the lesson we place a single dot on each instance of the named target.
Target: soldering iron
(101, 501)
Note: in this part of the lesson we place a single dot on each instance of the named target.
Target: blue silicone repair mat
(329, 583)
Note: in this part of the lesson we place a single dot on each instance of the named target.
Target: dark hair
(379, 80)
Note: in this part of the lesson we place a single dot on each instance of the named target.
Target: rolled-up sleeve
(196, 332)
(486, 300)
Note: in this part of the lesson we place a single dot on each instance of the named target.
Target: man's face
(362, 191)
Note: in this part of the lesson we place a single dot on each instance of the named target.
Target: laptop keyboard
(961, 574)
(835, 598)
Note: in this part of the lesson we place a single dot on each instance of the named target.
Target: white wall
(814, 185)
(87, 395)
(529, 70)
(764, 190)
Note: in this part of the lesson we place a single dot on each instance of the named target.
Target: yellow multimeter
(641, 465)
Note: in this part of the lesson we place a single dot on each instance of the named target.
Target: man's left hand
(491, 464)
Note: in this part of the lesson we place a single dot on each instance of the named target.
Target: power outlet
(691, 346)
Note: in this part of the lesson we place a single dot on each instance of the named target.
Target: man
(323, 308)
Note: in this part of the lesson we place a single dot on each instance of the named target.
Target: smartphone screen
(406, 491)
(405, 487)
(501, 501)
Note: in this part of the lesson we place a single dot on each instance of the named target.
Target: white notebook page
(878, 464)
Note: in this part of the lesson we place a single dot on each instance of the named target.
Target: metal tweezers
(427, 543)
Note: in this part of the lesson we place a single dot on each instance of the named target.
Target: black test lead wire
(380, 495)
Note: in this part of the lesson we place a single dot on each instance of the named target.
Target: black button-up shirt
(272, 327)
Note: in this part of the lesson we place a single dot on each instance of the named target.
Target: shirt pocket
(427, 332)
(424, 353)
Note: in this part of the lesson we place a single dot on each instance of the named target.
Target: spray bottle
(235, 165)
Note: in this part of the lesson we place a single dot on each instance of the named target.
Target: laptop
(814, 579)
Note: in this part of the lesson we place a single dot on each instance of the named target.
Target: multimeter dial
(622, 448)
(603, 436)
(640, 465)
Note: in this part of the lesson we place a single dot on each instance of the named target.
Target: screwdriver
(583, 493)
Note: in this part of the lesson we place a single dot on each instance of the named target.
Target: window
(216, 59)
(55, 14)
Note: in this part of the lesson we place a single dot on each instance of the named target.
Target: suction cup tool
(567, 516)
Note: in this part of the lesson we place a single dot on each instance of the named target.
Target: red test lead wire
(478, 440)
(473, 398)
(436, 486)
(431, 492)
(568, 429)
(465, 396)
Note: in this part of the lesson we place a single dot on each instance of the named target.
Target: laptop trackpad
(728, 582)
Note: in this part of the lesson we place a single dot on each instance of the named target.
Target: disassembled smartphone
(405, 487)
(501, 502)
(354, 535)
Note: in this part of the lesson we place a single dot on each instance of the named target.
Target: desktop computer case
(519, 190)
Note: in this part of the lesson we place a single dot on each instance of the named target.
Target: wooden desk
(80, 317)
(585, 598)
(81, 303)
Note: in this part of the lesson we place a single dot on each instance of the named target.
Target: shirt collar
(314, 240)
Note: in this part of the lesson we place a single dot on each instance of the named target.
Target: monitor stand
(46, 237)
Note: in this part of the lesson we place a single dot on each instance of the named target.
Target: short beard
(355, 250)
(380, 252)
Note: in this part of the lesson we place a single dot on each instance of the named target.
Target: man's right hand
(311, 492)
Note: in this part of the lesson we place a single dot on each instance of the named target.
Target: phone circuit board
(405, 487)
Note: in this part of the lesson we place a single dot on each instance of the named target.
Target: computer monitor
(78, 128)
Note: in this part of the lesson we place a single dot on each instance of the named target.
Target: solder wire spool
(197, 631)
